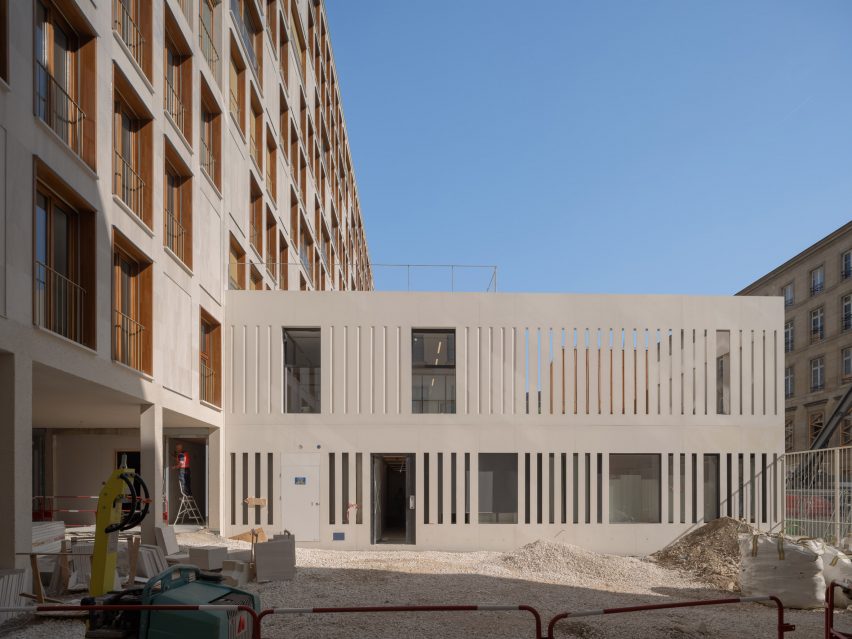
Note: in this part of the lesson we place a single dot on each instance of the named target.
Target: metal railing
(846, 321)
(128, 185)
(255, 237)
(208, 385)
(817, 334)
(208, 160)
(846, 272)
(253, 149)
(818, 501)
(208, 49)
(126, 27)
(788, 345)
(173, 104)
(59, 303)
(174, 234)
(436, 277)
(303, 258)
(246, 37)
(236, 279)
(817, 288)
(234, 105)
(817, 386)
(128, 340)
(58, 109)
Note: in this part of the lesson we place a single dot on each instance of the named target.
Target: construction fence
(818, 499)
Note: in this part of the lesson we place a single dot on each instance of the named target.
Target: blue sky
(666, 146)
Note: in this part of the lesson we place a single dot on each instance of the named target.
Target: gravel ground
(551, 576)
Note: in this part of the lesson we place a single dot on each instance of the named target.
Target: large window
(65, 81)
(132, 306)
(787, 292)
(302, 370)
(788, 336)
(788, 382)
(723, 372)
(498, 488)
(63, 283)
(211, 136)
(846, 265)
(132, 143)
(131, 20)
(817, 374)
(846, 363)
(634, 488)
(846, 312)
(433, 371)
(236, 266)
(210, 360)
(817, 280)
(711, 487)
(817, 324)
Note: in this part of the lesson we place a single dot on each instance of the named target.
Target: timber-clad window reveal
(210, 360)
(132, 306)
(433, 371)
(132, 157)
(236, 266)
(177, 206)
(237, 88)
(131, 20)
(177, 62)
(302, 370)
(65, 75)
(211, 136)
(64, 264)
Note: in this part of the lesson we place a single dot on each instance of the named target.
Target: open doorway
(393, 514)
(195, 451)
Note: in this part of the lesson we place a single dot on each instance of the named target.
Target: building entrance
(394, 503)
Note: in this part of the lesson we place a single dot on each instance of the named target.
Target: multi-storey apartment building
(153, 154)
(816, 286)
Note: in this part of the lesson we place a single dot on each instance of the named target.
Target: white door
(300, 492)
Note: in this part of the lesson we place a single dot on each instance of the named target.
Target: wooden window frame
(139, 161)
(137, 352)
(237, 262)
(180, 226)
(211, 135)
(177, 59)
(237, 73)
(210, 356)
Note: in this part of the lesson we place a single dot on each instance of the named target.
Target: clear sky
(659, 146)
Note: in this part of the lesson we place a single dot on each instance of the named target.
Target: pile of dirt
(711, 553)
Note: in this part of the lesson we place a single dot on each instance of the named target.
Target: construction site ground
(551, 576)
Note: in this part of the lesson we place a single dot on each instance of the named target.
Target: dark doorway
(393, 513)
(197, 449)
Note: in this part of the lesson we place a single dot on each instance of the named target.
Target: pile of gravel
(711, 553)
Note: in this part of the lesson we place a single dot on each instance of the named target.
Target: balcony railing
(128, 340)
(208, 49)
(174, 105)
(208, 384)
(234, 105)
(817, 334)
(817, 386)
(59, 303)
(246, 37)
(128, 185)
(126, 27)
(817, 288)
(236, 276)
(58, 110)
(174, 234)
(253, 150)
(788, 345)
(208, 160)
(846, 321)
(788, 301)
(254, 237)
(303, 258)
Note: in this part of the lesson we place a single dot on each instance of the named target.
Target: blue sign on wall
(338, 536)
(301, 481)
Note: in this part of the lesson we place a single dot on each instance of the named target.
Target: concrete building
(152, 155)
(484, 421)
(816, 286)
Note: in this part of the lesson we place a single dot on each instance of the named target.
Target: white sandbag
(788, 569)
(836, 567)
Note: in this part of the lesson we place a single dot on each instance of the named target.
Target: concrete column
(151, 454)
(16, 404)
(215, 470)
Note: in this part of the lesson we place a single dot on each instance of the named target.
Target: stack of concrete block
(275, 560)
(47, 537)
(235, 573)
(208, 557)
(238, 554)
(12, 583)
(167, 541)
(150, 562)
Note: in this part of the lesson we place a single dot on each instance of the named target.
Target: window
(65, 78)
(236, 266)
(846, 363)
(132, 306)
(788, 382)
(723, 372)
(284, 53)
(846, 312)
(256, 131)
(711, 487)
(255, 280)
(283, 263)
(433, 371)
(63, 273)
(817, 324)
(302, 370)
(846, 265)
(237, 89)
(177, 206)
(132, 142)
(131, 20)
(498, 488)
(210, 360)
(634, 488)
(256, 217)
(787, 292)
(788, 435)
(247, 23)
(271, 166)
(817, 280)
(211, 135)
(177, 60)
(788, 337)
(271, 233)
(817, 374)
(205, 35)
(815, 424)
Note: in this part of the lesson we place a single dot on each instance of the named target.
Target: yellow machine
(120, 508)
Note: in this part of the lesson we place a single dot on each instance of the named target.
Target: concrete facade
(810, 402)
(614, 375)
(128, 175)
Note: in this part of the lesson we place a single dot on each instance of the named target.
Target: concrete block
(235, 573)
(208, 557)
(276, 560)
(240, 555)
(166, 539)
